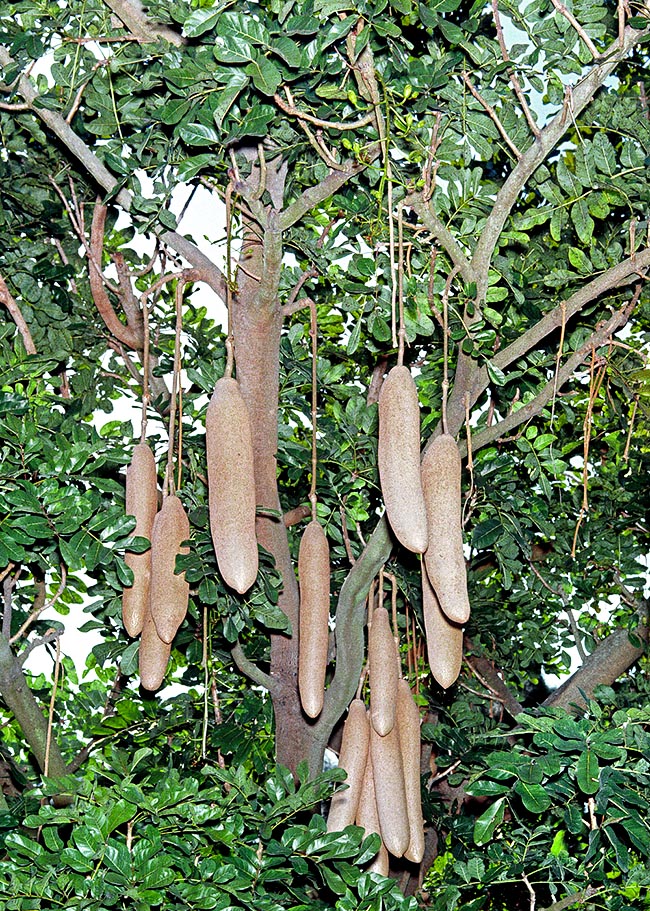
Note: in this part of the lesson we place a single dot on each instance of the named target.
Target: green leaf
(197, 134)
(488, 821)
(533, 796)
(497, 376)
(588, 772)
(265, 75)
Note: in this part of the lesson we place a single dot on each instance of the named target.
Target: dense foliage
(488, 166)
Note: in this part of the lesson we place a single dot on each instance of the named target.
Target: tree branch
(140, 26)
(103, 177)
(580, 97)
(312, 196)
(13, 308)
(21, 702)
(442, 234)
(599, 337)
(248, 667)
(473, 380)
(611, 658)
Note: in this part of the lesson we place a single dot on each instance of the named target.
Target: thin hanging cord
(146, 394)
(169, 486)
(313, 331)
(400, 282)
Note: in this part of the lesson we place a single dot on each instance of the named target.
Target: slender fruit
(444, 558)
(383, 661)
(368, 819)
(353, 758)
(169, 590)
(390, 792)
(444, 638)
(314, 575)
(408, 729)
(231, 485)
(153, 657)
(399, 459)
(141, 502)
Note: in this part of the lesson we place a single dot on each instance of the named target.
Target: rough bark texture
(20, 700)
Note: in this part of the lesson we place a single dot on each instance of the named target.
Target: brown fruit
(353, 758)
(368, 819)
(153, 657)
(314, 576)
(231, 485)
(141, 502)
(390, 792)
(444, 558)
(169, 591)
(444, 638)
(408, 729)
(398, 456)
(383, 672)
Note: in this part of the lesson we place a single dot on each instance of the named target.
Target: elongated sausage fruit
(314, 576)
(383, 672)
(169, 591)
(231, 485)
(353, 758)
(153, 656)
(368, 819)
(444, 556)
(398, 456)
(444, 638)
(408, 722)
(141, 502)
(390, 792)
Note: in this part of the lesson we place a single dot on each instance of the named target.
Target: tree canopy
(461, 186)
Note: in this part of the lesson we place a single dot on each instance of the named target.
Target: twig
(295, 291)
(40, 608)
(346, 536)
(7, 299)
(290, 108)
(430, 170)
(493, 116)
(514, 79)
(530, 890)
(626, 451)
(571, 19)
(50, 717)
(51, 636)
(442, 775)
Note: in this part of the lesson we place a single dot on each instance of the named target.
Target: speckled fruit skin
(153, 656)
(353, 758)
(383, 671)
(444, 558)
(169, 590)
(444, 638)
(314, 578)
(398, 457)
(231, 485)
(408, 729)
(390, 792)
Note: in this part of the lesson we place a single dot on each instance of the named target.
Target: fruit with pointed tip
(444, 557)
(169, 590)
(231, 485)
(398, 457)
